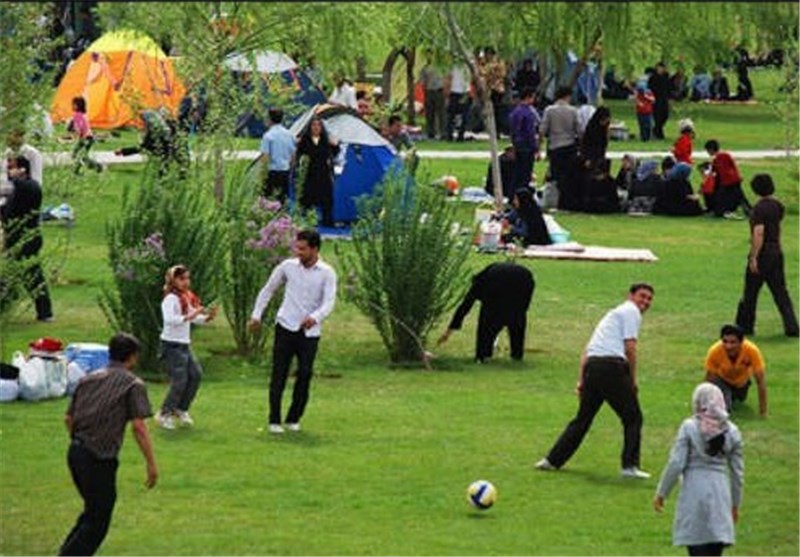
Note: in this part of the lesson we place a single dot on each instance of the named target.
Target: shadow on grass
(300, 438)
(480, 515)
(607, 479)
(742, 411)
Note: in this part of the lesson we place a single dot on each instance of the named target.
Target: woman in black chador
(317, 187)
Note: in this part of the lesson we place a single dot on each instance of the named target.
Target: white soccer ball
(481, 494)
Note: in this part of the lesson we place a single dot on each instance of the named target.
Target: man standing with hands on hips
(308, 299)
(608, 374)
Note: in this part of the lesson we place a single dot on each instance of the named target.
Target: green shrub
(162, 223)
(260, 235)
(406, 270)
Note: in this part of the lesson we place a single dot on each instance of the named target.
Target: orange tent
(119, 75)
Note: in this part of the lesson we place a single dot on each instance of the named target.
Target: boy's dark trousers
(96, 480)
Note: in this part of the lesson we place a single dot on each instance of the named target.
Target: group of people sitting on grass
(645, 189)
(579, 176)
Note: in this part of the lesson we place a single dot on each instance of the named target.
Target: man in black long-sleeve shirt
(505, 291)
(659, 84)
(22, 236)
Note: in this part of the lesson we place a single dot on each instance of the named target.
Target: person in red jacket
(682, 149)
(644, 101)
(728, 194)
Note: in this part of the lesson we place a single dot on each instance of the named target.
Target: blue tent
(364, 156)
(270, 65)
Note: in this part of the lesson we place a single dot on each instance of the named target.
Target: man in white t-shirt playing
(608, 374)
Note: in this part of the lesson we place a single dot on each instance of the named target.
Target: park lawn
(764, 125)
(771, 123)
(386, 454)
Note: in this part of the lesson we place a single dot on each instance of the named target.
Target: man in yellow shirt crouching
(731, 362)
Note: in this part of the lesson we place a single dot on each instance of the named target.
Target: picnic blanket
(574, 250)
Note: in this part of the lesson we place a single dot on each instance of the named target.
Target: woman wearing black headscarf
(526, 220)
(317, 187)
(599, 194)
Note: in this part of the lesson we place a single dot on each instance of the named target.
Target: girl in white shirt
(179, 309)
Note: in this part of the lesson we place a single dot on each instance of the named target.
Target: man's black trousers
(96, 481)
(606, 379)
(287, 345)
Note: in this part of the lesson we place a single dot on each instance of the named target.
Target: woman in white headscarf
(708, 454)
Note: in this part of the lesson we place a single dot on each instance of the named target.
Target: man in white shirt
(344, 93)
(458, 100)
(608, 374)
(308, 299)
(17, 146)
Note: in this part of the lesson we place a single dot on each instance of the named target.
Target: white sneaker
(732, 216)
(634, 472)
(184, 418)
(165, 421)
(293, 427)
(276, 428)
(544, 464)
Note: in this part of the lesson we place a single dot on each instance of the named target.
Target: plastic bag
(74, 374)
(56, 373)
(490, 235)
(550, 195)
(32, 377)
(9, 390)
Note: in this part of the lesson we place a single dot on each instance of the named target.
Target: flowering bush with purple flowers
(260, 235)
(144, 260)
(160, 226)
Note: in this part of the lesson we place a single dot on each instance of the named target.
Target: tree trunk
(361, 69)
(219, 176)
(600, 77)
(465, 52)
(411, 113)
(388, 69)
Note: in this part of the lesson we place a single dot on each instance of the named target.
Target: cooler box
(88, 355)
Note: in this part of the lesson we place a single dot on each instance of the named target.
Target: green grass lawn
(386, 455)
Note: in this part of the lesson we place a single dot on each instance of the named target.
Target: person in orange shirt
(731, 362)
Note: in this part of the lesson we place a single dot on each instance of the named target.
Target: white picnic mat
(574, 250)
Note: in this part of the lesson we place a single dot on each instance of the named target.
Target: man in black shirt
(23, 238)
(505, 291)
(765, 260)
(660, 86)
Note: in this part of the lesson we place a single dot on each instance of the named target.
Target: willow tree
(631, 34)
